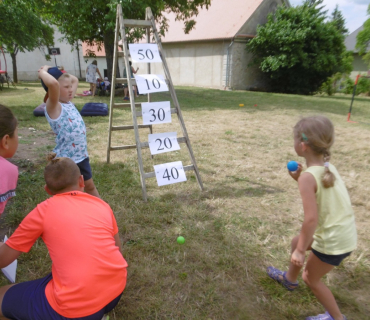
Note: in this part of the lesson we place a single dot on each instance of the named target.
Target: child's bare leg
(90, 188)
(312, 274)
(93, 89)
(3, 290)
(293, 272)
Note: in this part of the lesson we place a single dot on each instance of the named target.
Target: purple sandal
(280, 277)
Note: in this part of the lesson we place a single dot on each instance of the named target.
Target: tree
(94, 21)
(339, 21)
(21, 29)
(297, 49)
(363, 40)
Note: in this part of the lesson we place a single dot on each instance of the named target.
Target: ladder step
(152, 174)
(120, 53)
(146, 144)
(132, 146)
(137, 23)
(125, 80)
(116, 128)
(140, 114)
(126, 105)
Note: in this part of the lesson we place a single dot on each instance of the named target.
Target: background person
(91, 71)
(125, 86)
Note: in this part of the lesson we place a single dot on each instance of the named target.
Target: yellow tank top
(336, 230)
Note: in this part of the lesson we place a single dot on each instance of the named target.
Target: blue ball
(292, 165)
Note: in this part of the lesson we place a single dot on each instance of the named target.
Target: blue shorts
(334, 260)
(85, 168)
(27, 300)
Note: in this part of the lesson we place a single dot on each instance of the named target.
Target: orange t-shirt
(87, 267)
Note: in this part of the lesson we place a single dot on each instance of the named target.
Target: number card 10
(147, 52)
(150, 83)
(169, 173)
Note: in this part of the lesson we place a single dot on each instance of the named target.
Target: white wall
(192, 63)
(29, 62)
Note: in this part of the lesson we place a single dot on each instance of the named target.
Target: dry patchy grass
(242, 222)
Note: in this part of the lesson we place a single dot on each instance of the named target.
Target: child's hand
(298, 258)
(43, 68)
(295, 174)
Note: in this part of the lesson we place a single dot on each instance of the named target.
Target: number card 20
(169, 173)
(156, 112)
(147, 52)
(149, 83)
(163, 142)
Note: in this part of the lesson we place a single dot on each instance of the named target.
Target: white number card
(168, 173)
(156, 112)
(144, 52)
(163, 142)
(148, 83)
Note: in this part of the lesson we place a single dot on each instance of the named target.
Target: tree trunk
(109, 50)
(14, 62)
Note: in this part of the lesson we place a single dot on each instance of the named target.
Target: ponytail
(328, 177)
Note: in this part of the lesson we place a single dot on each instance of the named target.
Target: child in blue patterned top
(66, 121)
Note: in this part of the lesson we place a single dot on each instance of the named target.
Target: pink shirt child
(8, 182)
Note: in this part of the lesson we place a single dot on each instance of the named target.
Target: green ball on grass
(180, 240)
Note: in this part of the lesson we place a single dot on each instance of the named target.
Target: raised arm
(74, 84)
(7, 255)
(53, 106)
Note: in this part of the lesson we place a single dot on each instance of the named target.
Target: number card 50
(169, 173)
(147, 52)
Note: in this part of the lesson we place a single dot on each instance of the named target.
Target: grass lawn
(241, 223)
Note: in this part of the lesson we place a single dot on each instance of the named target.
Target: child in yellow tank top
(328, 228)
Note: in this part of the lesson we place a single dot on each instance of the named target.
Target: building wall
(359, 66)
(28, 63)
(242, 75)
(192, 63)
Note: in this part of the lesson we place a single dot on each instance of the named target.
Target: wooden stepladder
(151, 112)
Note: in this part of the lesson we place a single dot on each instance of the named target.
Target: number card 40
(169, 173)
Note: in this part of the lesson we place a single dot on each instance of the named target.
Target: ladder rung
(137, 23)
(146, 144)
(140, 114)
(125, 80)
(152, 174)
(116, 128)
(120, 53)
(132, 146)
(126, 105)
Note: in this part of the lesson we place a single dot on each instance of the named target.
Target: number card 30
(169, 173)
(156, 112)
(147, 52)
(150, 83)
(163, 142)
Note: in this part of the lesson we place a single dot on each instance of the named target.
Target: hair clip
(304, 137)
